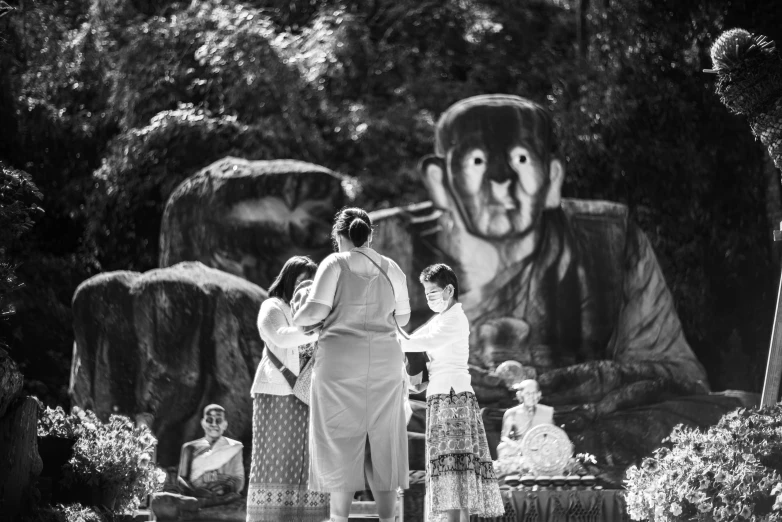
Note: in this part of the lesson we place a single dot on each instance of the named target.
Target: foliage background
(109, 104)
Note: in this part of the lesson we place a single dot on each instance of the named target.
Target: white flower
(676, 509)
(144, 460)
(160, 475)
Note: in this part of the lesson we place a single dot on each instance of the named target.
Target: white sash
(214, 458)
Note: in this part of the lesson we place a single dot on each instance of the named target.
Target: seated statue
(212, 466)
(211, 473)
(569, 287)
(518, 420)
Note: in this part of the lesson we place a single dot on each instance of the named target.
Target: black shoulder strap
(289, 376)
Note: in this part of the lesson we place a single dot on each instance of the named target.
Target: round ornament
(547, 449)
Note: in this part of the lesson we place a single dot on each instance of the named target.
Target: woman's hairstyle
(284, 285)
(353, 223)
(442, 275)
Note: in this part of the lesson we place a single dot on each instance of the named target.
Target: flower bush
(115, 457)
(729, 473)
(68, 513)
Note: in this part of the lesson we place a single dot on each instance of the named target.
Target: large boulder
(248, 217)
(164, 344)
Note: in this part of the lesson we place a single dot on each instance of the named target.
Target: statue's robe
(199, 465)
(592, 299)
(201, 462)
(520, 421)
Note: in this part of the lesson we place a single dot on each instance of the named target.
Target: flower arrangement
(730, 473)
(113, 457)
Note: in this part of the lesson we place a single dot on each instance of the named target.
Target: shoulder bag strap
(392, 289)
(289, 376)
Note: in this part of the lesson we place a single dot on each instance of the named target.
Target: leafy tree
(19, 208)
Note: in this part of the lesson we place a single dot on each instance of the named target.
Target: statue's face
(214, 424)
(529, 396)
(497, 177)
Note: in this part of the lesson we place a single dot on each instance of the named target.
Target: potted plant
(110, 463)
(730, 473)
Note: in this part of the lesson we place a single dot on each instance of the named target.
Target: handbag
(302, 387)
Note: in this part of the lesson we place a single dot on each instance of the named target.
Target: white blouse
(325, 285)
(446, 340)
(283, 339)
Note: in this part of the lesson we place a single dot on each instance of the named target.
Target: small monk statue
(518, 420)
(212, 466)
(211, 473)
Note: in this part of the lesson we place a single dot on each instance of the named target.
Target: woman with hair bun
(357, 418)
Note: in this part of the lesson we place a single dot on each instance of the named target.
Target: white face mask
(437, 304)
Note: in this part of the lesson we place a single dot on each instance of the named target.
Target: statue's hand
(222, 486)
(610, 385)
(204, 492)
(490, 388)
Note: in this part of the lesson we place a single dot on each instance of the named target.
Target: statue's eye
(522, 158)
(477, 161)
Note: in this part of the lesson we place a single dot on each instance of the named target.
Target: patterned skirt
(280, 464)
(459, 472)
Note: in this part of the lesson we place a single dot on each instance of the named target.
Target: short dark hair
(283, 285)
(353, 223)
(442, 275)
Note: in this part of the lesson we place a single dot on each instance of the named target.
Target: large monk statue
(211, 474)
(570, 288)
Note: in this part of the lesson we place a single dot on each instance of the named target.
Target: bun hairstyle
(353, 223)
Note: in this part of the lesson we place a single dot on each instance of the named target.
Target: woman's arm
(321, 297)
(311, 313)
(402, 299)
(274, 328)
(402, 319)
(434, 335)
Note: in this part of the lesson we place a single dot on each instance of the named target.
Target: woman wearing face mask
(357, 419)
(460, 479)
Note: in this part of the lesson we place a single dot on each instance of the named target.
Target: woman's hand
(312, 329)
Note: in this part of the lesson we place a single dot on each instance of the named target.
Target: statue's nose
(501, 171)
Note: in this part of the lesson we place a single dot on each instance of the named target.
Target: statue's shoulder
(595, 209)
(232, 442)
(512, 411)
(548, 411)
(193, 444)
(597, 226)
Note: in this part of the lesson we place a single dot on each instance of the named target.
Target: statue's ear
(556, 172)
(432, 170)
